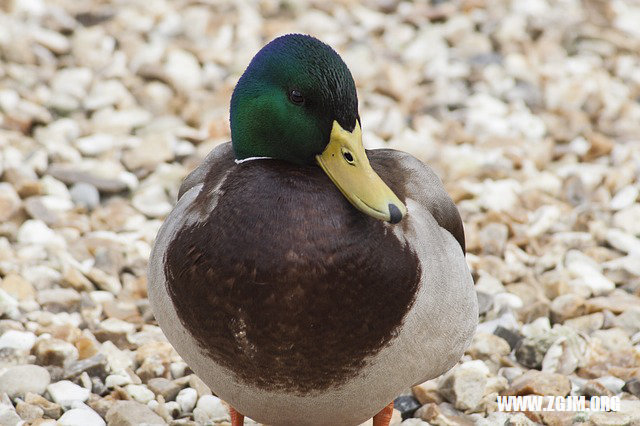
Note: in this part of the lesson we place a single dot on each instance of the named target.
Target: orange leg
(384, 416)
(237, 419)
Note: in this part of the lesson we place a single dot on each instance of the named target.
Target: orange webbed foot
(384, 416)
(237, 419)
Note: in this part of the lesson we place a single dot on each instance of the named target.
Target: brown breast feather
(284, 282)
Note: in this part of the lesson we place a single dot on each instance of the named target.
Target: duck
(306, 280)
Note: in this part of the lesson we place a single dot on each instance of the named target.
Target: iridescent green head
(286, 101)
(297, 102)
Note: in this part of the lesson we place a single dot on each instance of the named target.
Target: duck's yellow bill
(345, 161)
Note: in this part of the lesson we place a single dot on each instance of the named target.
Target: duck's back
(286, 300)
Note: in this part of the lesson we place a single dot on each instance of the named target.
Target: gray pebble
(85, 194)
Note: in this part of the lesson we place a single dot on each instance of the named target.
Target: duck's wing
(220, 159)
(410, 178)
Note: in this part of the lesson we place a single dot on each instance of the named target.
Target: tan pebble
(485, 345)
(427, 392)
(18, 287)
(29, 412)
(50, 409)
(535, 382)
(201, 388)
(566, 306)
(614, 339)
(54, 352)
(586, 323)
(86, 347)
(594, 388)
(161, 350)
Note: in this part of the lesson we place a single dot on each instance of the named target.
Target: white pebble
(21, 340)
(210, 409)
(66, 393)
(140, 393)
(81, 417)
(187, 399)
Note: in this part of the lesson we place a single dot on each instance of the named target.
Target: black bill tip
(394, 213)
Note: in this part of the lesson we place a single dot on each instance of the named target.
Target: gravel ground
(529, 111)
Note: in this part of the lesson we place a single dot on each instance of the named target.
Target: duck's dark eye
(296, 97)
(348, 156)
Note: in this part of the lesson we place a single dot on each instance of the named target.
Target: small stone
(20, 340)
(629, 320)
(98, 387)
(140, 393)
(52, 40)
(539, 383)
(485, 302)
(70, 176)
(104, 281)
(512, 337)
(94, 366)
(9, 201)
(610, 418)
(152, 201)
(161, 350)
(8, 415)
(587, 273)
(59, 299)
(173, 409)
(183, 70)
(37, 232)
(485, 345)
(210, 409)
(114, 380)
(114, 330)
(488, 284)
(414, 422)
(95, 144)
(178, 369)
(586, 323)
(117, 360)
(567, 306)
(66, 393)
(9, 308)
(131, 413)
(616, 303)
(81, 417)
(85, 194)
(187, 399)
(87, 346)
(625, 197)
(594, 388)
(623, 241)
(493, 238)
(613, 339)
(427, 392)
(407, 405)
(628, 219)
(464, 386)
(161, 386)
(20, 379)
(29, 412)
(24, 180)
(633, 387)
(201, 387)
(151, 152)
(50, 409)
(18, 287)
(531, 351)
(55, 352)
(434, 415)
(126, 311)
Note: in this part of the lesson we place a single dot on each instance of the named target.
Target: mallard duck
(306, 280)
